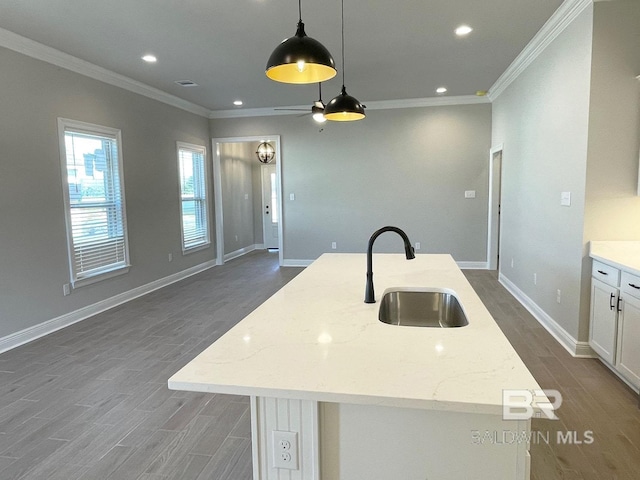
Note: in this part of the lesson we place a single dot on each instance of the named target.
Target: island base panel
(348, 441)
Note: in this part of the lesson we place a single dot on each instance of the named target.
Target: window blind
(193, 194)
(97, 230)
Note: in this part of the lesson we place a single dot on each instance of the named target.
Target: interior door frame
(217, 188)
(493, 244)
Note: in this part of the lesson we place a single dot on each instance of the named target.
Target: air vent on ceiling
(186, 83)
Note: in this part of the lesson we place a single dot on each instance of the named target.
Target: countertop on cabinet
(316, 339)
(622, 254)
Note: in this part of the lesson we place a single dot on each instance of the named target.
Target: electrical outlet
(170, 257)
(558, 296)
(66, 289)
(535, 278)
(334, 245)
(417, 245)
(512, 263)
(285, 450)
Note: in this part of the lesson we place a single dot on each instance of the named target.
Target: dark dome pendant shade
(344, 107)
(300, 59)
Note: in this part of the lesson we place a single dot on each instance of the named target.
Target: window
(193, 196)
(94, 200)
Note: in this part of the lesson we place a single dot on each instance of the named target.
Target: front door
(270, 213)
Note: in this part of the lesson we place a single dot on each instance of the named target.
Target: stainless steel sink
(421, 309)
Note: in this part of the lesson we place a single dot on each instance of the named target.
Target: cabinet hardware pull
(611, 304)
(618, 305)
(634, 286)
(603, 273)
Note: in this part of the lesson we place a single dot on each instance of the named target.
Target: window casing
(194, 218)
(94, 201)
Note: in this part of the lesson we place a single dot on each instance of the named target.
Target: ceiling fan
(317, 109)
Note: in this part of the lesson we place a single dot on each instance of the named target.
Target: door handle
(611, 304)
(603, 273)
(618, 306)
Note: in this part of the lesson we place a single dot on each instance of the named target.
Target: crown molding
(36, 50)
(559, 21)
(376, 105)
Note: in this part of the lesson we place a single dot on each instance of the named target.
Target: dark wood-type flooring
(91, 401)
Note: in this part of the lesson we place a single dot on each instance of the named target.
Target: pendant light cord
(342, 14)
(300, 10)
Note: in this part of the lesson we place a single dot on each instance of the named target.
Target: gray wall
(612, 206)
(542, 120)
(237, 183)
(33, 253)
(404, 167)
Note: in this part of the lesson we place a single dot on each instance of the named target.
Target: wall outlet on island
(334, 245)
(512, 263)
(285, 450)
(558, 295)
(417, 246)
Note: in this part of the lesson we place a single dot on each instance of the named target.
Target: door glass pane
(274, 198)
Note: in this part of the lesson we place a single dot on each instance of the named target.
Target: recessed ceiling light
(237, 103)
(463, 30)
(441, 90)
(186, 83)
(150, 58)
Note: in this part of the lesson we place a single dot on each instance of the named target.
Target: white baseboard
(296, 263)
(32, 333)
(239, 252)
(473, 265)
(573, 346)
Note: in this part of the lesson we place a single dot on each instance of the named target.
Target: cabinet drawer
(606, 273)
(630, 284)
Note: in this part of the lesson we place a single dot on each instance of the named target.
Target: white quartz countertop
(316, 339)
(622, 254)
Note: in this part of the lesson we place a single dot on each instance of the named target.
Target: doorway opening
(495, 199)
(241, 188)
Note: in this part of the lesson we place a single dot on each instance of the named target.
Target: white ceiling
(396, 49)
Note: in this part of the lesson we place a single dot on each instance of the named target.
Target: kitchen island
(364, 399)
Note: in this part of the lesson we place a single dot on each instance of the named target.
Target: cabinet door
(628, 363)
(604, 316)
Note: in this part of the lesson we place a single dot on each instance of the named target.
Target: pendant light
(300, 59)
(265, 152)
(344, 107)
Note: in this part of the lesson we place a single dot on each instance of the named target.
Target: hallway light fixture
(344, 107)
(300, 59)
(265, 152)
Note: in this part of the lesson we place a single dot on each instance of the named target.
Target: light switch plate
(470, 194)
(565, 199)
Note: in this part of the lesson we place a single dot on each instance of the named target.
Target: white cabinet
(604, 320)
(614, 332)
(628, 361)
